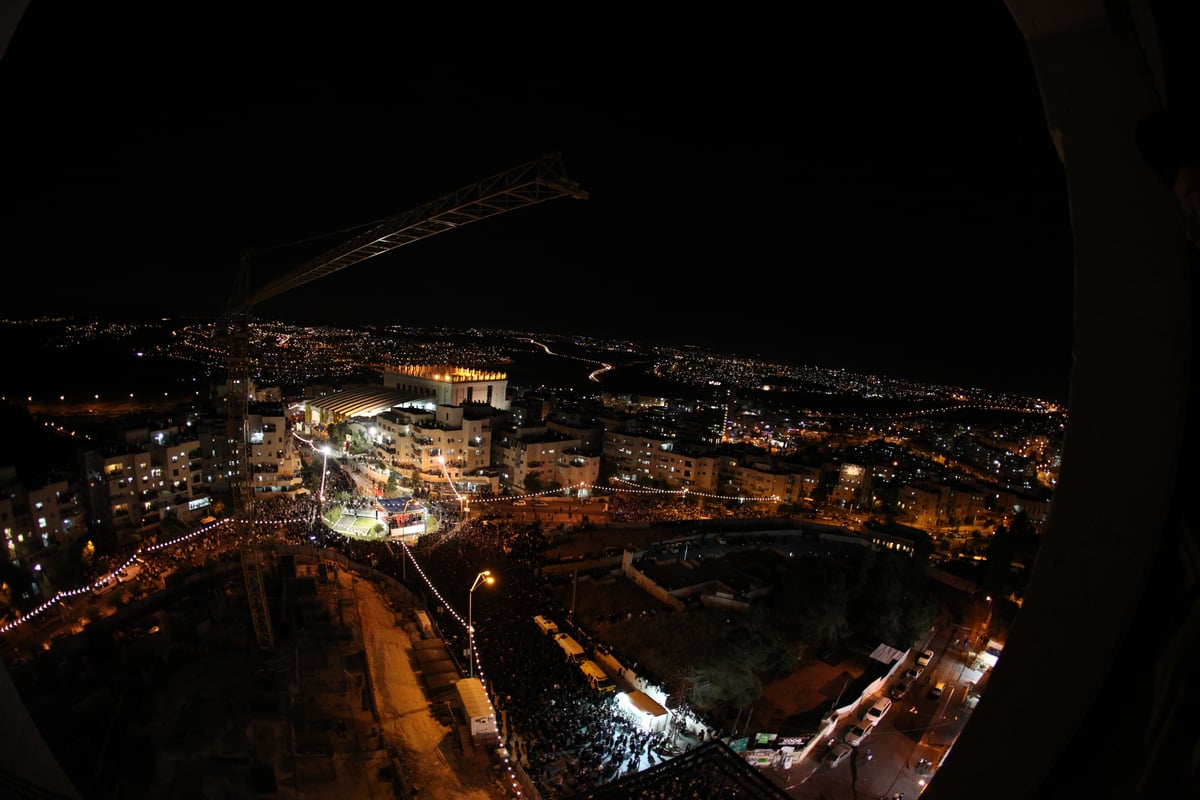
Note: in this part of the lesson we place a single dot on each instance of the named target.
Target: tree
(1010, 557)
(880, 594)
(87, 554)
(17, 586)
(719, 683)
(825, 618)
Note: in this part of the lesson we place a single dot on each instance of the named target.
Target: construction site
(172, 699)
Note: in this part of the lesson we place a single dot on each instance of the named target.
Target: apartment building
(923, 504)
(123, 490)
(639, 456)
(35, 522)
(275, 464)
(760, 480)
(448, 443)
(544, 456)
(966, 505)
(1035, 507)
(853, 486)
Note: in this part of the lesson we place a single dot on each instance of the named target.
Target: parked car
(857, 733)
(837, 754)
(877, 711)
(899, 690)
(936, 691)
(925, 657)
(912, 673)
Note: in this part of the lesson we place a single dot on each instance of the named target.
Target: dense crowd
(565, 735)
(665, 507)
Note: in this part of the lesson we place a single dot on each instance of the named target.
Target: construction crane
(522, 186)
(525, 185)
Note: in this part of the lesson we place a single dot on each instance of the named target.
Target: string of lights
(624, 487)
(473, 654)
(105, 580)
(618, 486)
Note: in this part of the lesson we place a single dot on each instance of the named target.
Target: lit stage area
(392, 519)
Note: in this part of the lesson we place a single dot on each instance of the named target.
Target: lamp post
(324, 468)
(987, 622)
(483, 577)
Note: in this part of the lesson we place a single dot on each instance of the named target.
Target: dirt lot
(786, 703)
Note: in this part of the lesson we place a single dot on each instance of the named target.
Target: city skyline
(148, 359)
(152, 554)
(847, 202)
(927, 195)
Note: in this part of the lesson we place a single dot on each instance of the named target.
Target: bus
(569, 646)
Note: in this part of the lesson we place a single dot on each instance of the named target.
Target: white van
(546, 626)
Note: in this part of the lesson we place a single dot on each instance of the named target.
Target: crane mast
(520, 187)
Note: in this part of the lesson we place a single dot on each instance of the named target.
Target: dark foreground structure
(1098, 679)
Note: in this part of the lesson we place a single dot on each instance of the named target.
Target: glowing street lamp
(483, 577)
(324, 468)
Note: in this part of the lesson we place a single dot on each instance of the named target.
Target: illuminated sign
(793, 741)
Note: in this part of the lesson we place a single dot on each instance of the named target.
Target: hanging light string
(625, 487)
(473, 654)
(621, 487)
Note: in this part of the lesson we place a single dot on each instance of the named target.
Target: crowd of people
(565, 735)
(646, 507)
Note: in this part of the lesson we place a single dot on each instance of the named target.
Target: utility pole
(574, 589)
(838, 701)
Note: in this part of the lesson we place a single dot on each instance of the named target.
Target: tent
(644, 710)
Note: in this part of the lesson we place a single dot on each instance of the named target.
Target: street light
(483, 577)
(987, 622)
(324, 467)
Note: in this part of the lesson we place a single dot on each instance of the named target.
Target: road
(905, 747)
(430, 754)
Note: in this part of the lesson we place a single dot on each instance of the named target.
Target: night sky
(874, 191)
